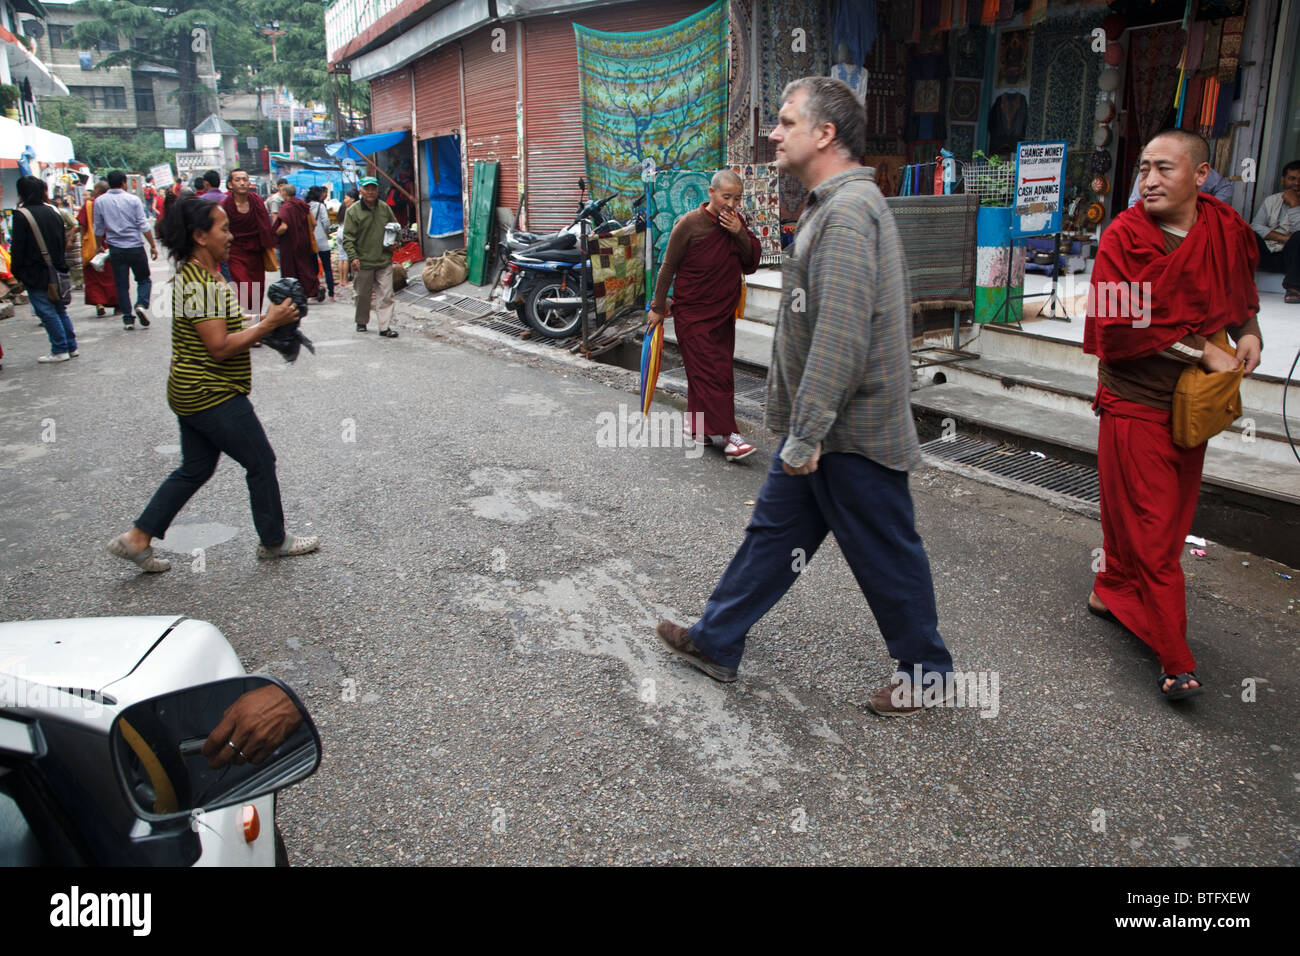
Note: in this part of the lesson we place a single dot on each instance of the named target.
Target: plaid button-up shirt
(841, 362)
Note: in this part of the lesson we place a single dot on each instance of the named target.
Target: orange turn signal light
(252, 824)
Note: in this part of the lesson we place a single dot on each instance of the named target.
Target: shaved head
(725, 177)
(1196, 146)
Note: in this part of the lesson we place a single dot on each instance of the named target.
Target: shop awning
(359, 147)
(50, 148)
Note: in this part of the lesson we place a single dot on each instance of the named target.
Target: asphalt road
(475, 638)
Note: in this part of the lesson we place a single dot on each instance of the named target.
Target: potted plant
(9, 96)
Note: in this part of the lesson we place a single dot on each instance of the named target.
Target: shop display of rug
(655, 94)
(1153, 75)
(674, 194)
(762, 206)
(792, 194)
(1063, 80)
(618, 270)
(740, 138)
(793, 41)
(964, 102)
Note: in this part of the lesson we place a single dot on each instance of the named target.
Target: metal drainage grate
(460, 308)
(509, 323)
(1008, 461)
(748, 386)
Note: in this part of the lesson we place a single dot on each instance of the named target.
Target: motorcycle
(592, 211)
(543, 286)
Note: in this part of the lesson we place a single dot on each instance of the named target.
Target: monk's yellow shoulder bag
(1205, 403)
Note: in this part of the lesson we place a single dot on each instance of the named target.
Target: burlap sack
(447, 270)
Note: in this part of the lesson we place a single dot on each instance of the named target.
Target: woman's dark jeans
(231, 427)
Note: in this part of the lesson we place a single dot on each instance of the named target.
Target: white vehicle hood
(87, 653)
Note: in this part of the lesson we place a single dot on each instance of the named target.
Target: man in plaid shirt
(838, 390)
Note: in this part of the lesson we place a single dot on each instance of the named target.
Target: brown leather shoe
(900, 698)
(679, 642)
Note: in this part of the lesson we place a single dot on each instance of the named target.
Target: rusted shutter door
(390, 101)
(553, 137)
(490, 97)
(553, 128)
(437, 93)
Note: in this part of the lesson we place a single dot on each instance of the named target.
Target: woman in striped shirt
(208, 387)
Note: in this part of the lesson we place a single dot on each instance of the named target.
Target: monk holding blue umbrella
(709, 249)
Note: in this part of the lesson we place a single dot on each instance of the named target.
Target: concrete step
(1037, 425)
(1258, 433)
(763, 291)
(753, 340)
(1259, 392)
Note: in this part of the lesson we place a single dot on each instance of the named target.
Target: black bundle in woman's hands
(288, 339)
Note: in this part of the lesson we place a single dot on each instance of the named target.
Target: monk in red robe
(100, 289)
(251, 228)
(710, 248)
(1171, 272)
(293, 227)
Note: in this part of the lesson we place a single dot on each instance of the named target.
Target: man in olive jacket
(372, 262)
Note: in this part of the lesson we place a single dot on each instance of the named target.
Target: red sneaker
(737, 448)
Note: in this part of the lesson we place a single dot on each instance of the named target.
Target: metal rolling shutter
(490, 97)
(556, 155)
(437, 93)
(390, 101)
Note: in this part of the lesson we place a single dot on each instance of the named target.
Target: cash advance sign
(1040, 183)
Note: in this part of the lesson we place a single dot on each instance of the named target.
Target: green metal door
(482, 217)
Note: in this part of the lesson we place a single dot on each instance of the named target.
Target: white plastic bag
(100, 260)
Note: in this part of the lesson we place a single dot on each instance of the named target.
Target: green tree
(61, 113)
(179, 33)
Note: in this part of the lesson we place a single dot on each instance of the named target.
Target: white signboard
(189, 165)
(176, 139)
(162, 176)
(1040, 184)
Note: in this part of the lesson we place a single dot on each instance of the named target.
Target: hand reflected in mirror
(252, 727)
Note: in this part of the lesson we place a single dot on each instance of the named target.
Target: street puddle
(185, 538)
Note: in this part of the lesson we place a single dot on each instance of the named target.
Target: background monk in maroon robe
(297, 259)
(251, 228)
(708, 252)
(100, 288)
(1171, 272)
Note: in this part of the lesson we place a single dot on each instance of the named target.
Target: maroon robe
(705, 263)
(252, 234)
(296, 258)
(99, 286)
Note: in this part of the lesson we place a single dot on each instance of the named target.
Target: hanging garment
(855, 27)
(1008, 118)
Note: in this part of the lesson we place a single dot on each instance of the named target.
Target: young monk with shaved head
(1173, 275)
(708, 251)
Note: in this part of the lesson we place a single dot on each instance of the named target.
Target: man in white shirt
(122, 227)
(1276, 225)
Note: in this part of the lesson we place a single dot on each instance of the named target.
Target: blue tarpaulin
(304, 179)
(442, 169)
(359, 147)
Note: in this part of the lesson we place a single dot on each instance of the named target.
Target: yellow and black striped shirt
(197, 380)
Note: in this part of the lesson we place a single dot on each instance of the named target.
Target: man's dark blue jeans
(868, 508)
(231, 427)
(127, 261)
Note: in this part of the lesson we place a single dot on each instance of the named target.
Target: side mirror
(582, 183)
(212, 746)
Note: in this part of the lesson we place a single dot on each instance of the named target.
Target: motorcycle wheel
(557, 323)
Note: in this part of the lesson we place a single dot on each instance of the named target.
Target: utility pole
(274, 32)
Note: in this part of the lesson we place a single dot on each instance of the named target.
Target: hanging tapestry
(1230, 48)
(961, 140)
(965, 104)
(618, 270)
(675, 193)
(889, 170)
(968, 54)
(887, 95)
(793, 195)
(1014, 48)
(793, 42)
(1153, 76)
(740, 137)
(659, 95)
(762, 207)
(1063, 80)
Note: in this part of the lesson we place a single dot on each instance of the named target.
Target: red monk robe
(704, 264)
(1149, 485)
(252, 234)
(100, 288)
(296, 258)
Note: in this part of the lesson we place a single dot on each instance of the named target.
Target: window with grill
(108, 43)
(61, 36)
(101, 97)
(144, 99)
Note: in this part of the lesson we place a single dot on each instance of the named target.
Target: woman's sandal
(144, 559)
(1176, 691)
